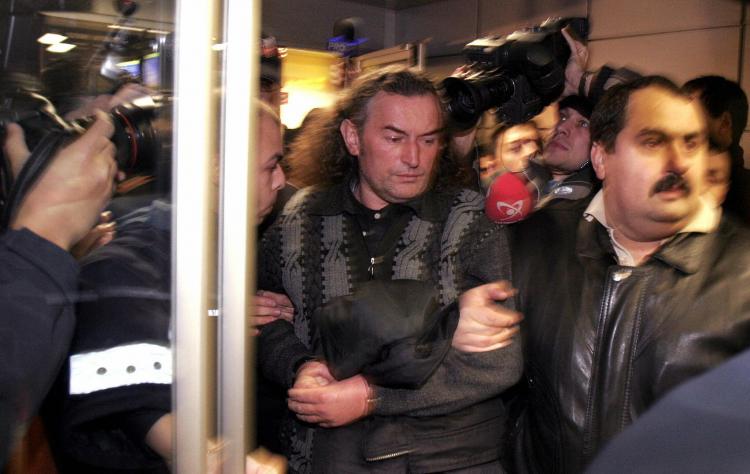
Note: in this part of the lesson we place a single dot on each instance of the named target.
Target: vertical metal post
(192, 219)
(241, 71)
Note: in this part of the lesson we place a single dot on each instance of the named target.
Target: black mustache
(671, 180)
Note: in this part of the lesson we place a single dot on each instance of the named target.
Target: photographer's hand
(15, 148)
(64, 204)
(576, 67)
(102, 234)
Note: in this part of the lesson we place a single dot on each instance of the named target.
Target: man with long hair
(385, 227)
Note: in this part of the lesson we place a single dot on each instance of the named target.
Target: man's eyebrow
(395, 129)
(437, 131)
(695, 135)
(652, 131)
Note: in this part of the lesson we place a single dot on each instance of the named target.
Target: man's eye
(583, 124)
(429, 140)
(653, 142)
(691, 145)
(394, 139)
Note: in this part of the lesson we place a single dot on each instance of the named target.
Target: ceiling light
(60, 47)
(51, 38)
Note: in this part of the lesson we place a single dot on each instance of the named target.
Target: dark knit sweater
(316, 251)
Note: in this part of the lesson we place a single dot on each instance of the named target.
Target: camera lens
(135, 137)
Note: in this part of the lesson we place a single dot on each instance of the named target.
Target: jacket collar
(682, 251)
(431, 206)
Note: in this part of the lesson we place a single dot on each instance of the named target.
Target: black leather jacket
(605, 341)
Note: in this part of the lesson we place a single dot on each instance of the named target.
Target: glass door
(155, 374)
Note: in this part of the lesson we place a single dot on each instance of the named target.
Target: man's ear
(597, 160)
(351, 136)
(725, 125)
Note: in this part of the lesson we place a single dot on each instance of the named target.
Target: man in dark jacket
(644, 286)
(386, 210)
(38, 275)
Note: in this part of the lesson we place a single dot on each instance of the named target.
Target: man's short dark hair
(719, 95)
(580, 104)
(608, 118)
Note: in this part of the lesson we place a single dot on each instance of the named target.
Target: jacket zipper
(389, 456)
(374, 261)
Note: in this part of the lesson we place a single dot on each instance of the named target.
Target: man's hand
(64, 204)
(483, 324)
(125, 94)
(100, 235)
(313, 374)
(320, 399)
(270, 306)
(15, 148)
(262, 461)
(579, 58)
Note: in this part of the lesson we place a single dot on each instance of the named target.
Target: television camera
(519, 74)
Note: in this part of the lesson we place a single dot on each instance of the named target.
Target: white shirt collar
(706, 220)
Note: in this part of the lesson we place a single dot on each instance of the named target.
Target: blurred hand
(106, 102)
(270, 306)
(462, 144)
(335, 403)
(100, 235)
(483, 324)
(343, 73)
(313, 374)
(128, 93)
(15, 148)
(579, 58)
(262, 461)
(64, 204)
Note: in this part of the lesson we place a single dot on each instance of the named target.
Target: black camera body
(139, 136)
(519, 74)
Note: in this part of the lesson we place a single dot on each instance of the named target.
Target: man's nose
(279, 178)
(678, 159)
(410, 155)
(563, 128)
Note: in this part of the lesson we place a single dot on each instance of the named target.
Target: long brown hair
(319, 154)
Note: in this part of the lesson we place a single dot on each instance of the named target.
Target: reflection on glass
(109, 405)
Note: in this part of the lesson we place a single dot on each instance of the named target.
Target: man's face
(719, 128)
(517, 145)
(398, 149)
(270, 176)
(568, 149)
(718, 169)
(488, 169)
(653, 177)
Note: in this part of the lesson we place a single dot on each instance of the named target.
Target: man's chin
(676, 211)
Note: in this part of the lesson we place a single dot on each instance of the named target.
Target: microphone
(511, 197)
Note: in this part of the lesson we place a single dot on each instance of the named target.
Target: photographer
(38, 275)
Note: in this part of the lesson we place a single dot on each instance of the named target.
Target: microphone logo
(510, 210)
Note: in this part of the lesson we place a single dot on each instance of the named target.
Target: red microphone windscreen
(509, 199)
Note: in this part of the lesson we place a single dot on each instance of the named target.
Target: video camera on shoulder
(519, 74)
